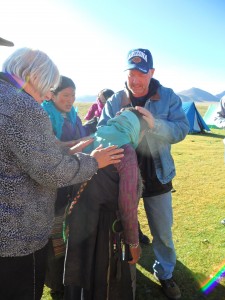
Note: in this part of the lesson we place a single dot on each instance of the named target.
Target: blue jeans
(160, 219)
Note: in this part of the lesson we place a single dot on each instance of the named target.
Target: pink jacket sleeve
(91, 112)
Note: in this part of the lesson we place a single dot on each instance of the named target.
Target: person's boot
(170, 288)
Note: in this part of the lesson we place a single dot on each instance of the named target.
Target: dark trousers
(22, 278)
(54, 270)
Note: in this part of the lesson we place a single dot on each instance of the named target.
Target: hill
(193, 94)
(86, 98)
(220, 95)
(197, 95)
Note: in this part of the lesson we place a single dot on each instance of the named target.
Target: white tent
(210, 115)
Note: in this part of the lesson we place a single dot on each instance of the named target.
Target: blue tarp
(197, 124)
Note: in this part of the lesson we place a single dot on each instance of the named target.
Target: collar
(9, 78)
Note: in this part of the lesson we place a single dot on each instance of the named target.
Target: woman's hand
(147, 116)
(136, 254)
(80, 145)
(72, 143)
(107, 156)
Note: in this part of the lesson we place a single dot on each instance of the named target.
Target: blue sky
(89, 40)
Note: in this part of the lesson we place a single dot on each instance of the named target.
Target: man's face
(138, 82)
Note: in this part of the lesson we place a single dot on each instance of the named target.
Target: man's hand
(136, 254)
(107, 156)
(147, 116)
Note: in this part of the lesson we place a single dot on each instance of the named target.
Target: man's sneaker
(223, 222)
(170, 288)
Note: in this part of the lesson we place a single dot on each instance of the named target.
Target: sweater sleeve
(128, 194)
(32, 142)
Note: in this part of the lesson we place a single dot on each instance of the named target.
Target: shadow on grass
(209, 134)
(189, 282)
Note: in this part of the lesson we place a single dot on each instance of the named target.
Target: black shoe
(144, 239)
(170, 288)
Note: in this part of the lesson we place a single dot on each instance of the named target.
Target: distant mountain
(220, 95)
(87, 98)
(193, 94)
(197, 95)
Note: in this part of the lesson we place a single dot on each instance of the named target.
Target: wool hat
(139, 59)
(6, 43)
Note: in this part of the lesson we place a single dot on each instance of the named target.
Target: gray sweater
(32, 167)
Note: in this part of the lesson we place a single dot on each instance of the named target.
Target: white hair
(33, 66)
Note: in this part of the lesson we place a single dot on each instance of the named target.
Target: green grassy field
(199, 206)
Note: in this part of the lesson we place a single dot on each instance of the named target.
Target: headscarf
(56, 117)
(120, 130)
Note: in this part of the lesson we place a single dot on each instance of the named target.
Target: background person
(66, 123)
(162, 109)
(32, 167)
(219, 119)
(67, 127)
(96, 108)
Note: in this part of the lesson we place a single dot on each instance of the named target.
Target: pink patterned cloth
(128, 194)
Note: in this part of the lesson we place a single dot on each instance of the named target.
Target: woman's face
(64, 99)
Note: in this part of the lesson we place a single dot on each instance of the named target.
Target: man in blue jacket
(162, 109)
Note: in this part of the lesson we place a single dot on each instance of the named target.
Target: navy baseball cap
(139, 59)
(6, 43)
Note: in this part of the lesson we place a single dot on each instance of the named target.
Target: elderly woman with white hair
(32, 166)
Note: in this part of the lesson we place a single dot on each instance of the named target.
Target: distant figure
(220, 115)
(96, 108)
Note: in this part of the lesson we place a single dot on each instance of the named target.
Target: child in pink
(96, 108)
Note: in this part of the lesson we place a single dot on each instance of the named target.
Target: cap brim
(135, 67)
(6, 43)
